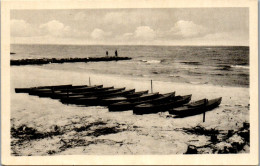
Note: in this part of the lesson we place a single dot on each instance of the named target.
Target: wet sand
(43, 126)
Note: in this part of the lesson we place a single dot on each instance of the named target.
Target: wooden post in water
(89, 81)
(67, 95)
(204, 115)
(151, 86)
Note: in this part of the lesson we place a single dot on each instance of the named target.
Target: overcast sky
(189, 26)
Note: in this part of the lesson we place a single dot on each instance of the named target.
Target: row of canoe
(119, 99)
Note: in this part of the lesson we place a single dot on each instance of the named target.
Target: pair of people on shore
(115, 53)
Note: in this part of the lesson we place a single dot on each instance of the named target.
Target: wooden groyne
(64, 60)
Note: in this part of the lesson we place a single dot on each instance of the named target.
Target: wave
(151, 61)
(194, 73)
(224, 67)
(176, 76)
(240, 66)
(216, 59)
(243, 75)
(197, 82)
(191, 63)
(218, 74)
(227, 67)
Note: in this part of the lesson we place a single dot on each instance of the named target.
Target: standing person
(107, 53)
(116, 53)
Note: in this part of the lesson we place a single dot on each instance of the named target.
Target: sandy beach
(60, 129)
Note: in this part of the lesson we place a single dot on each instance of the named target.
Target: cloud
(21, 28)
(134, 17)
(57, 29)
(144, 33)
(187, 29)
(99, 34)
(141, 33)
(181, 33)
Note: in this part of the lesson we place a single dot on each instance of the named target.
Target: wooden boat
(22, 90)
(102, 94)
(136, 94)
(38, 92)
(82, 89)
(108, 99)
(27, 90)
(94, 100)
(131, 103)
(112, 100)
(120, 93)
(91, 94)
(196, 107)
(148, 108)
(61, 94)
(54, 86)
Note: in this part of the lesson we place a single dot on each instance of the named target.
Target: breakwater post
(151, 86)
(204, 116)
(64, 60)
(67, 95)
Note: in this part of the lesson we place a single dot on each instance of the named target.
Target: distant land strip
(64, 60)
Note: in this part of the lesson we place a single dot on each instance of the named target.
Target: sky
(172, 26)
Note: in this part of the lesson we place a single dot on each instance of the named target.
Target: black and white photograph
(130, 81)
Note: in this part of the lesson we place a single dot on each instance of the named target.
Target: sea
(214, 65)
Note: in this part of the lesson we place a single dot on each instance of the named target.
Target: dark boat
(110, 101)
(54, 87)
(83, 89)
(45, 91)
(149, 108)
(27, 90)
(106, 92)
(66, 98)
(61, 94)
(116, 94)
(22, 90)
(94, 100)
(116, 97)
(125, 99)
(136, 94)
(196, 107)
(119, 97)
(131, 103)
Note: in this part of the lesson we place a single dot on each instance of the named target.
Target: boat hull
(124, 106)
(94, 92)
(149, 108)
(94, 100)
(50, 92)
(190, 111)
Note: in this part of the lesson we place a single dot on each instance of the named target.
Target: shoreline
(137, 78)
(170, 78)
(90, 130)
